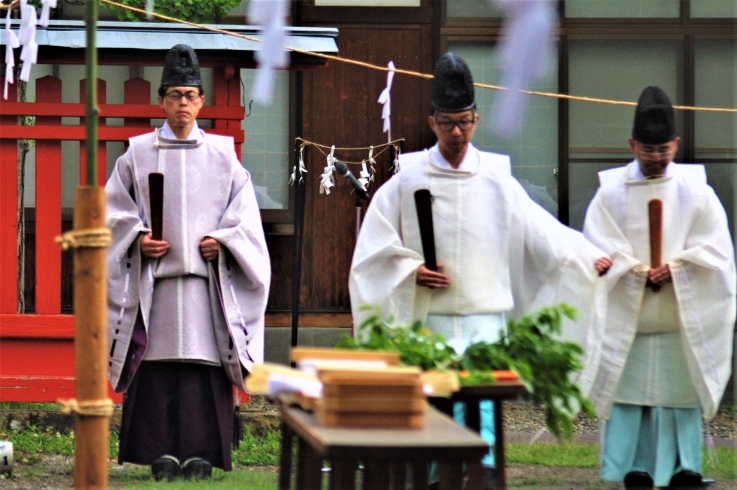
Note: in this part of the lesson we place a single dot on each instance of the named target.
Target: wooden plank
(24, 389)
(384, 419)
(50, 327)
(55, 133)
(21, 357)
(301, 353)
(8, 212)
(139, 110)
(48, 204)
(366, 404)
(136, 91)
(327, 320)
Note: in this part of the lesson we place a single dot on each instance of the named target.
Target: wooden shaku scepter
(423, 203)
(156, 203)
(655, 219)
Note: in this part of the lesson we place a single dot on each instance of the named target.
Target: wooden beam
(111, 110)
(77, 133)
(317, 320)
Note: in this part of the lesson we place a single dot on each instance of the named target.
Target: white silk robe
(501, 251)
(191, 310)
(698, 248)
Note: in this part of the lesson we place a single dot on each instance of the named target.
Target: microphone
(342, 169)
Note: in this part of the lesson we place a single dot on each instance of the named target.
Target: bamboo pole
(90, 345)
(90, 296)
(92, 111)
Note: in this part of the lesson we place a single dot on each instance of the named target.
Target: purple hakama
(178, 408)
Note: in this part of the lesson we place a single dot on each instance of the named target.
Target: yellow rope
(93, 238)
(413, 73)
(88, 408)
(10, 5)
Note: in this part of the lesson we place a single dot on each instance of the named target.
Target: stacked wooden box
(392, 397)
(356, 395)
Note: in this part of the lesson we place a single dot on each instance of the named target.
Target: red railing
(37, 349)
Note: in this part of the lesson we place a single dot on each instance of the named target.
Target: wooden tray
(373, 405)
(388, 376)
(301, 353)
(375, 391)
(370, 420)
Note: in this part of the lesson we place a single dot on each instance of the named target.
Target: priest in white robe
(667, 345)
(498, 252)
(186, 312)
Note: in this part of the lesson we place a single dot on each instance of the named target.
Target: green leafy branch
(530, 347)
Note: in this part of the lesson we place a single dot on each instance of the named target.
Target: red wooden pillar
(227, 92)
(102, 145)
(48, 205)
(137, 91)
(8, 213)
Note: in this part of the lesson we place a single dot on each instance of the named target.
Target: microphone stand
(359, 202)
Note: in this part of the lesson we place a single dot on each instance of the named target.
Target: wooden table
(472, 395)
(385, 454)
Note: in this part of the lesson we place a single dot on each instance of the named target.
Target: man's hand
(659, 276)
(431, 279)
(153, 249)
(602, 265)
(209, 248)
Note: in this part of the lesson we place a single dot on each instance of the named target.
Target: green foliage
(199, 11)
(530, 348)
(566, 454)
(258, 450)
(416, 345)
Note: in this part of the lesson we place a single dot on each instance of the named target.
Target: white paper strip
(525, 55)
(270, 53)
(149, 9)
(46, 6)
(27, 38)
(385, 98)
(10, 44)
(302, 168)
(326, 179)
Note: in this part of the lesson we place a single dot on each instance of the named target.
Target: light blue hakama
(659, 441)
(462, 330)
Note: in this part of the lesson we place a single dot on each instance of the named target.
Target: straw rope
(92, 238)
(88, 408)
(413, 73)
(384, 147)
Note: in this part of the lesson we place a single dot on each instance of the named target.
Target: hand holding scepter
(658, 273)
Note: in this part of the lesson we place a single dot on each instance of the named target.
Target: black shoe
(196, 468)
(166, 467)
(637, 480)
(686, 479)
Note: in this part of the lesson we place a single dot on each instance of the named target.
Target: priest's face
(454, 131)
(181, 106)
(654, 159)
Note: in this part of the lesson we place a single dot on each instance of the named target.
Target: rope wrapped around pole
(88, 408)
(93, 238)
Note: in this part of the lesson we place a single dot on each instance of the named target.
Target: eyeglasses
(655, 152)
(448, 126)
(190, 95)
